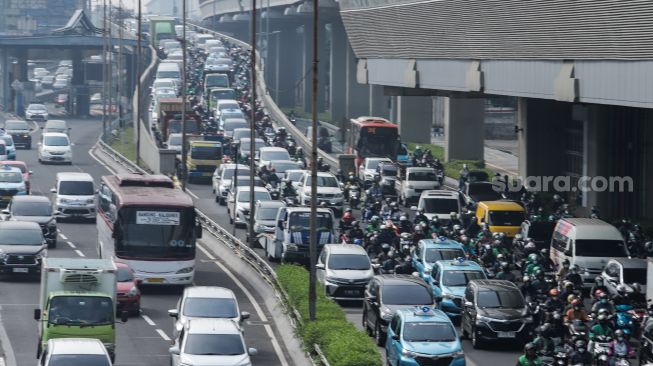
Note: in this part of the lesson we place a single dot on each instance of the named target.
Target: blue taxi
(448, 281)
(11, 184)
(429, 251)
(423, 336)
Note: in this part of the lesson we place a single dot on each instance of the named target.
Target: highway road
(145, 339)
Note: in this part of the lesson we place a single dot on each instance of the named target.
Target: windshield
(500, 299)
(11, 177)
(167, 75)
(206, 152)
(282, 167)
(274, 155)
(222, 94)
(244, 146)
(294, 176)
(632, 275)
(243, 196)
(21, 237)
(460, 278)
(124, 275)
(433, 255)
(378, 141)
(16, 125)
(31, 208)
(373, 163)
(267, 213)
(407, 294)
(81, 310)
(541, 231)
(239, 134)
(327, 181)
(229, 105)
(440, 205)
(422, 176)
(175, 126)
(354, 262)
(81, 359)
(389, 170)
(232, 124)
(23, 168)
(55, 141)
(506, 218)
(429, 332)
(165, 233)
(600, 248)
(300, 221)
(245, 181)
(214, 344)
(490, 191)
(217, 80)
(76, 188)
(206, 307)
(36, 107)
(229, 172)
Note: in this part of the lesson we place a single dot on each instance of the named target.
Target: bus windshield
(300, 221)
(175, 126)
(206, 152)
(377, 141)
(162, 233)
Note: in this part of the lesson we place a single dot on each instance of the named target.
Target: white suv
(329, 191)
(55, 147)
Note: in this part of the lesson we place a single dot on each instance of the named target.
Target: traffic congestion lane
(139, 342)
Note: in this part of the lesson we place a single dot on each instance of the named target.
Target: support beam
(415, 118)
(286, 67)
(464, 133)
(357, 95)
(337, 73)
(379, 103)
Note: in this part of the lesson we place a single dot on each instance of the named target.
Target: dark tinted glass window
(601, 248)
(124, 275)
(440, 205)
(21, 237)
(86, 360)
(500, 299)
(31, 209)
(506, 218)
(434, 255)
(407, 294)
(429, 332)
(349, 261)
(632, 275)
(214, 344)
(76, 188)
(460, 278)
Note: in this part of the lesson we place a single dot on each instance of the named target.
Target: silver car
(266, 215)
(206, 302)
(345, 270)
(238, 209)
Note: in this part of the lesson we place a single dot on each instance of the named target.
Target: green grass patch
(124, 143)
(452, 168)
(299, 112)
(341, 342)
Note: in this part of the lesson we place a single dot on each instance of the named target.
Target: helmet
(358, 241)
(505, 266)
(420, 211)
(619, 333)
(544, 252)
(575, 268)
(604, 311)
(580, 344)
(457, 227)
(621, 289)
(571, 298)
(497, 242)
(383, 226)
(636, 287)
(575, 302)
(526, 279)
(375, 219)
(603, 318)
(403, 218)
(453, 215)
(496, 236)
(530, 347)
(553, 292)
(385, 247)
(348, 209)
(518, 236)
(567, 283)
(532, 257)
(539, 273)
(354, 223)
(499, 257)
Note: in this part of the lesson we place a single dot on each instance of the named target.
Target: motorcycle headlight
(459, 354)
(185, 270)
(133, 292)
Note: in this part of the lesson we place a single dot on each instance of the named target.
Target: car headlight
(185, 270)
(459, 354)
(3, 255)
(133, 292)
(63, 200)
(22, 190)
(407, 353)
(483, 319)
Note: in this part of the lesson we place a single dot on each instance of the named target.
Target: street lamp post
(252, 132)
(312, 291)
(139, 98)
(184, 138)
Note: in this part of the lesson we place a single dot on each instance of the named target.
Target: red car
(23, 169)
(127, 291)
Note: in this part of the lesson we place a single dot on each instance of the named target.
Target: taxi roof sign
(423, 311)
(459, 261)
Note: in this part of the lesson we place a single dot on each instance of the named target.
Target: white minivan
(55, 147)
(588, 243)
(74, 196)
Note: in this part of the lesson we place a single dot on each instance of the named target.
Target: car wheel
(379, 337)
(476, 343)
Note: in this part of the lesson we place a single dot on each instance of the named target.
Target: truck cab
(291, 238)
(204, 158)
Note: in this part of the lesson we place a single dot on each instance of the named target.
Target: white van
(168, 70)
(74, 196)
(588, 243)
(439, 203)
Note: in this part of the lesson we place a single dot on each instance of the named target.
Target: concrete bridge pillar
(379, 103)
(286, 66)
(415, 118)
(357, 95)
(81, 92)
(337, 72)
(464, 132)
(4, 78)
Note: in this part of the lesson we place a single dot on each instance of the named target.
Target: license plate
(57, 158)
(155, 280)
(207, 174)
(506, 334)
(7, 198)
(20, 270)
(352, 292)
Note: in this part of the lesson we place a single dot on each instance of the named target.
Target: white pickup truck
(411, 182)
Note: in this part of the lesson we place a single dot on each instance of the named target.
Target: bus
(144, 221)
(372, 137)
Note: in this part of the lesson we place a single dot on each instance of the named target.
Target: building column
(357, 97)
(286, 67)
(415, 118)
(337, 73)
(464, 132)
(379, 103)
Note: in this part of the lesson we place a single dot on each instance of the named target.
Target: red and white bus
(144, 221)
(372, 137)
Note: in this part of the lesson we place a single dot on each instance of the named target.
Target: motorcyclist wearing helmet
(602, 328)
(619, 347)
(527, 289)
(340, 176)
(417, 155)
(405, 226)
(622, 297)
(346, 220)
(288, 189)
(473, 228)
(454, 220)
(531, 263)
(374, 225)
(484, 233)
(598, 285)
(468, 246)
(576, 312)
(553, 301)
(575, 277)
(540, 282)
(602, 303)
(435, 227)
(388, 266)
(563, 271)
(420, 217)
(406, 266)
(355, 232)
(505, 273)
(542, 341)
(530, 357)
(637, 298)
(579, 356)
(387, 235)
(568, 290)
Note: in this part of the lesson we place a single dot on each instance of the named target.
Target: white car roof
(273, 148)
(74, 176)
(61, 134)
(345, 249)
(212, 326)
(76, 346)
(215, 292)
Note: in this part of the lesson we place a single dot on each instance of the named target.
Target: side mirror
(252, 351)
(174, 350)
(173, 313)
(5, 212)
(413, 208)
(468, 304)
(37, 314)
(416, 274)
(124, 316)
(244, 315)
(319, 266)
(376, 266)
(53, 190)
(395, 337)
(482, 219)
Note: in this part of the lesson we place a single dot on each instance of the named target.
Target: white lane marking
(70, 244)
(148, 320)
(257, 308)
(79, 253)
(163, 335)
(192, 194)
(63, 236)
(2, 361)
(5, 342)
(90, 152)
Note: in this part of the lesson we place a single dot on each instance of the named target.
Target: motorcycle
(354, 196)
(599, 348)
(274, 191)
(625, 320)
(578, 328)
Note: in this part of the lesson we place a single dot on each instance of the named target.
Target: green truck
(161, 28)
(78, 300)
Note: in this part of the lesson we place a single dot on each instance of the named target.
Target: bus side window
(105, 199)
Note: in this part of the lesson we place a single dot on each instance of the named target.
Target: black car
(540, 231)
(20, 132)
(494, 310)
(22, 246)
(385, 294)
(36, 209)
